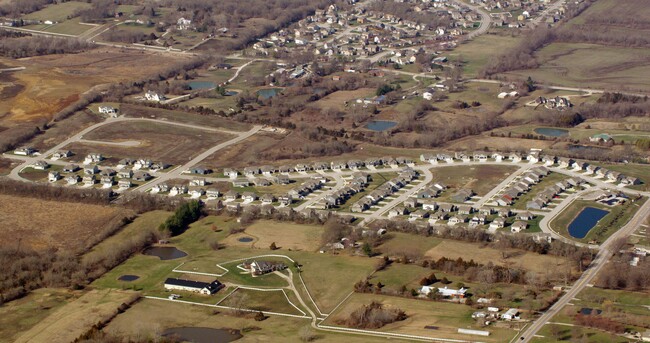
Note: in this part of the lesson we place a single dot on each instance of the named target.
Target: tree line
(28, 46)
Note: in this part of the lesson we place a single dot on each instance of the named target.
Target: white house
(206, 288)
(53, 176)
(511, 314)
(445, 292)
(25, 151)
(110, 110)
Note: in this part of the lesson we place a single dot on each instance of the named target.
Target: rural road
(604, 254)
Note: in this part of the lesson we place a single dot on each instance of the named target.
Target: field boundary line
(310, 297)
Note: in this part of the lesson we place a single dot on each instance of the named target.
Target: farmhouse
(206, 288)
(263, 267)
(444, 291)
(153, 96)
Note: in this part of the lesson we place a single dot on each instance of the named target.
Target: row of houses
(393, 185)
(524, 184)
(592, 170)
(319, 166)
(355, 184)
(542, 199)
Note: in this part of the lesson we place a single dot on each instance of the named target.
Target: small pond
(165, 253)
(128, 277)
(380, 125)
(245, 239)
(196, 85)
(588, 311)
(548, 131)
(585, 221)
(268, 92)
(203, 335)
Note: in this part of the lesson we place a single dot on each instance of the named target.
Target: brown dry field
(61, 130)
(479, 178)
(469, 251)
(54, 81)
(42, 224)
(285, 235)
(5, 166)
(72, 320)
(158, 141)
(496, 143)
(139, 111)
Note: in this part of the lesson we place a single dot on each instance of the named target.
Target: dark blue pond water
(165, 253)
(380, 125)
(269, 92)
(547, 131)
(195, 85)
(585, 221)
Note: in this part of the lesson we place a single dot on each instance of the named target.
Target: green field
(58, 12)
(69, 27)
(273, 301)
(640, 171)
(547, 181)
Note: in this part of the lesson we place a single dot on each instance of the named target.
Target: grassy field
(61, 130)
(42, 224)
(70, 321)
(591, 65)
(69, 27)
(21, 315)
(58, 12)
(337, 99)
(517, 258)
(158, 141)
(617, 217)
(447, 317)
(479, 178)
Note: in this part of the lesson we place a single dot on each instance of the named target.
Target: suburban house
(212, 193)
(231, 195)
(61, 154)
(525, 215)
(241, 183)
(446, 207)
(141, 176)
(497, 223)
(263, 267)
(285, 200)
(601, 137)
(125, 174)
(124, 184)
(231, 173)
(91, 170)
(89, 180)
(518, 226)
(40, 165)
(107, 181)
(258, 181)
(462, 195)
(72, 179)
(25, 151)
(53, 176)
(267, 199)
(457, 220)
(93, 158)
(198, 182)
(206, 288)
(159, 188)
(249, 196)
(200, 170)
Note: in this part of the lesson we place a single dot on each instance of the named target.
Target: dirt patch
(41, 224)
(516, 258)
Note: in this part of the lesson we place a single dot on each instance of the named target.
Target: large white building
(206, 288)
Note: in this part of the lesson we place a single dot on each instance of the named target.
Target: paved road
(555, 6)
(604, 254)
(340, 183)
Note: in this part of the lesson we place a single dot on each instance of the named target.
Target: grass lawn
(285, 235)
(137, 111)
(69, 27)
(617, 217)
(448, 317)
(566, 333)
